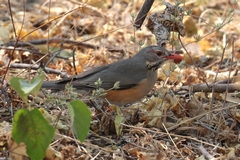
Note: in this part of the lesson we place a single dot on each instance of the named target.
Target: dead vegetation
(192, 114)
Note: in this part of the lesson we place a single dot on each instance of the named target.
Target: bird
(136, 76)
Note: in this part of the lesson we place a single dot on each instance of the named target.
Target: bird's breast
(130, 95)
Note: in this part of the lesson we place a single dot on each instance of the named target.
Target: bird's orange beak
(175, 57)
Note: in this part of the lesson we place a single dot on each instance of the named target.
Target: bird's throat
(154, 65)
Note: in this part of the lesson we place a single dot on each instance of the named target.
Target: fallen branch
(218, 88)
(36, 67)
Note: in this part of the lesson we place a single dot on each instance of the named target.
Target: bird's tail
(53, 85)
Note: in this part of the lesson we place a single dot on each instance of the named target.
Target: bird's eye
(159, 53)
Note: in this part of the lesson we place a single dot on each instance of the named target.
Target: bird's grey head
(153, 53)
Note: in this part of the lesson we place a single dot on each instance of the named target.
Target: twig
(28, 50)
(74, 65)
(36, 67)
(191, 58)
(3, 91)
(17, 39)
(172, 140)
(55, 55)
(143, 13)
(175, 135)
(60, 40)
(51, 40)
(227, 90)
(201, 115)
(205, 153)
(215, 79)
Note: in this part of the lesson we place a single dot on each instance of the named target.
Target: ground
(185, 116)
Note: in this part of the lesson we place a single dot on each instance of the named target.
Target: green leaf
(118, 120)
(37, 83)
(24, 88)
(80, 118)
(31, 128)
(14, 82)
(63, 52)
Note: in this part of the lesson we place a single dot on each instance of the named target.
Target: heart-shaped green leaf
(24, 88)
(31, 128)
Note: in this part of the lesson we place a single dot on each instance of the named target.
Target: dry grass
(174, 121)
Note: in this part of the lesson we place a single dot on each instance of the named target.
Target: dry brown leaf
(52, 154)
(190, 26)
(5, 32)
(90, 10)
(192, 76)
(231, 153)
(205, 45)
(195, 51)
(156, 107)
(236, 114)
(161, 156)
(194, 107)
(133, 151)
(200, 158)
(210, 76)
(237, 150)
(146, 156)
(174, 77)
(16, 151)
(24, 32)
(80, 61)
(236, 79)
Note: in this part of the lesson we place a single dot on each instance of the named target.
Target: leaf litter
(174, 121)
